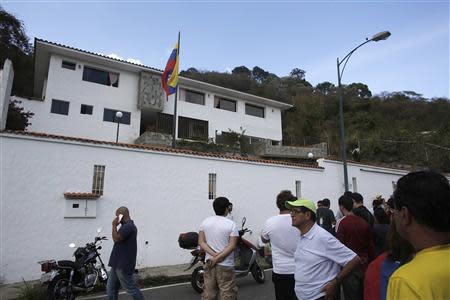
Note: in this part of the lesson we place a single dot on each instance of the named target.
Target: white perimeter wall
(166, 193)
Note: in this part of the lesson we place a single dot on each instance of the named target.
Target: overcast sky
(274, 35)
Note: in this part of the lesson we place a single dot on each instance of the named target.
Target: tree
(15, 45)
(259, 75)
(241, 70)
(298, 74)
(326, 88)
(17, 119)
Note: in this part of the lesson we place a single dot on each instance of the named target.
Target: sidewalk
(11, 291)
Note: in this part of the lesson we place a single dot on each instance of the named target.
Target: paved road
(248, 289)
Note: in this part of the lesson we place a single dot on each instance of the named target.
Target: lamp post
(376, 38)
(119, 115)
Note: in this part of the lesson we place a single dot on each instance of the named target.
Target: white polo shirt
(318, 260)
(283, 240)
(218, 230)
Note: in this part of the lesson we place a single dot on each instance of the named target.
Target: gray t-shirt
(123, 254)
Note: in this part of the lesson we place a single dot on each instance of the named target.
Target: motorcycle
(245, 260)
(66, 278)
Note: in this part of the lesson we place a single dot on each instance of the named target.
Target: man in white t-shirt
(283, 237)
(321, 261)
(218, 236)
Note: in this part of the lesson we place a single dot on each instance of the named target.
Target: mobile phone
(120, 217)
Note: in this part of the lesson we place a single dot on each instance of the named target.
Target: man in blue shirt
(123, 257)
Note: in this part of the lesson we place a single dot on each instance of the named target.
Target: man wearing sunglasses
(321, 261)
(421, 215)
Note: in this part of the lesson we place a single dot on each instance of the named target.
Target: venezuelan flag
(170, 76)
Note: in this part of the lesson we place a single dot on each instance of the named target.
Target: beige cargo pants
(219, 279)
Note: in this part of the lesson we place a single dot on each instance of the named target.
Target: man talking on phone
(123, 256)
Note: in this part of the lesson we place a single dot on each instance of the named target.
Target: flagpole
(174, 129)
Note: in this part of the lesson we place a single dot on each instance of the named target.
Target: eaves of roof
(139, 67)
(161, 149)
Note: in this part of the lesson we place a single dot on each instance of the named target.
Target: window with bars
(164, 123)
(298, 189)
(212, 186)
(192, 129)
(98, 180)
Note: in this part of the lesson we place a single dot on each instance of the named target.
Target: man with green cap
(321, 261)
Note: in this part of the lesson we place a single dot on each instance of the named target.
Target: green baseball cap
(302, 202)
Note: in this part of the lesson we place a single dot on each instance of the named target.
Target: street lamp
(377, 37)
(119, 116)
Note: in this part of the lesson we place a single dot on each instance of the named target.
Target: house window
(109, 115)
(100, 76)
(355, 187)
(253, 110)
(60, 107)
(298, 189)
(225, 104)
(68, 65)
(86, 109)
(98, 180)
(192, 129)
(195, 97)
(164, 123)
(212, 186)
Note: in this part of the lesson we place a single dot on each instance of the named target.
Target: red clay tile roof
(162, 149)
(81, 195)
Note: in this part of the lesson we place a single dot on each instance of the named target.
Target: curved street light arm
(347, 57)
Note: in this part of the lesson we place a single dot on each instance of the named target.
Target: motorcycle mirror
(243, 221)
(72, 245)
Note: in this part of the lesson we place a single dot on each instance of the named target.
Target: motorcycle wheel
(258, 273)
(58, 289)
(197, 280)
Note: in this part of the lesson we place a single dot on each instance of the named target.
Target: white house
(78, 93)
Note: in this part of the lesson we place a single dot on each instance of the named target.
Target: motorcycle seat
(67, 264)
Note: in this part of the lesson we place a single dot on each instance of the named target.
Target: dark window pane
(86, 109)
(60, 107)
(254, 110)
(109, 115)
(194, 97)
(192, 129)
(75, 205)
(101, 77)
(164, 123)
(68, 65)
(225, 104)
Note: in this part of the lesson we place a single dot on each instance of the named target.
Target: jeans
(353, 285)
(284, 286)
(117, 279)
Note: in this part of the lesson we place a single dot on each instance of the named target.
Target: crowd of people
(400, 250)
